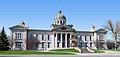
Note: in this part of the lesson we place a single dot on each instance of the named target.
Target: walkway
(106, 53)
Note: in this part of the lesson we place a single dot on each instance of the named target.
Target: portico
(62, 40)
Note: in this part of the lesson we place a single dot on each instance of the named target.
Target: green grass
(66, 50)
(98, 51)
(118, 50)
(31, 52)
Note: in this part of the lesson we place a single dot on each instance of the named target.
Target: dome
(60, 16)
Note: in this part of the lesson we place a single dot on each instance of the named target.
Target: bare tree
(32, 42)
(110, 44)
(114, 29)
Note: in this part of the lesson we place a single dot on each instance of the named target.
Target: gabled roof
(63, 28)
(16, 27)
(101, 30)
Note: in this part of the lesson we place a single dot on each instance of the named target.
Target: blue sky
(39, 14)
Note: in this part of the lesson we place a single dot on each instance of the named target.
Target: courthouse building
(60, 35)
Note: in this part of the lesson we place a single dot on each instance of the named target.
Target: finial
(60, 11)
(22, 23)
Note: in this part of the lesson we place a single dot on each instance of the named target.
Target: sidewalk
(106, 53)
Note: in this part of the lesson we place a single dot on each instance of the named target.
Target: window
(18, 44)
(36, 37)
(60, 22)
(42, 37)
(80, 38)
(90, 38)
(48, 44)
(90, 44)
(101, 37)
(42, 44)
(48, 37)
(85, 44)
(36, 45)
(80, 44)
(75, 37)
(18, 36)
(85, 38)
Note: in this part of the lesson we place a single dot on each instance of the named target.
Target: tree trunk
(115, 42)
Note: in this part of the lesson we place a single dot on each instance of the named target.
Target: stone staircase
(85, 50)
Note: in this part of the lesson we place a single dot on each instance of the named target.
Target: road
(81, 55)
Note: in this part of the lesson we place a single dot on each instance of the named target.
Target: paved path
(61, 56)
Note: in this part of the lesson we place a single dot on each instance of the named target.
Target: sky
(39, 14)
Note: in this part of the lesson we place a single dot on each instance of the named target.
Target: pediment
(101, 30)
(63, 28)
(17, 27)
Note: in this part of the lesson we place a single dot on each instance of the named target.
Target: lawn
(98, 51)
(13, 52)
(118, 50)
(66, 50)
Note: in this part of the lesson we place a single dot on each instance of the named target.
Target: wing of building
(60, 35)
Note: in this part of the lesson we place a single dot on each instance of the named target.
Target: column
(70, 39)
(65, 40)
(61, 41)
(56, 40)
(14, 47)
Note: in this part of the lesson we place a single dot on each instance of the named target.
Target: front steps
(85, 50)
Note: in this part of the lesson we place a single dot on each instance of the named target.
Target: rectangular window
(42, 44)
(36, 37)
(90, 44)
(90, 38)
(36, 45)
(85, 38)
(80, 44)
(18, 36)
(48, 37)
(80, 38)
(15, 35)
(101, 37)
(86, 44)
(48, 44)
(18, 45)
(42, 37)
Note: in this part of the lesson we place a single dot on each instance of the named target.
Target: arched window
(60, 22)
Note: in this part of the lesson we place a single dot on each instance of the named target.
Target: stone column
(56, 40)
(70, 39)
(61, 41)
(65, 40)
